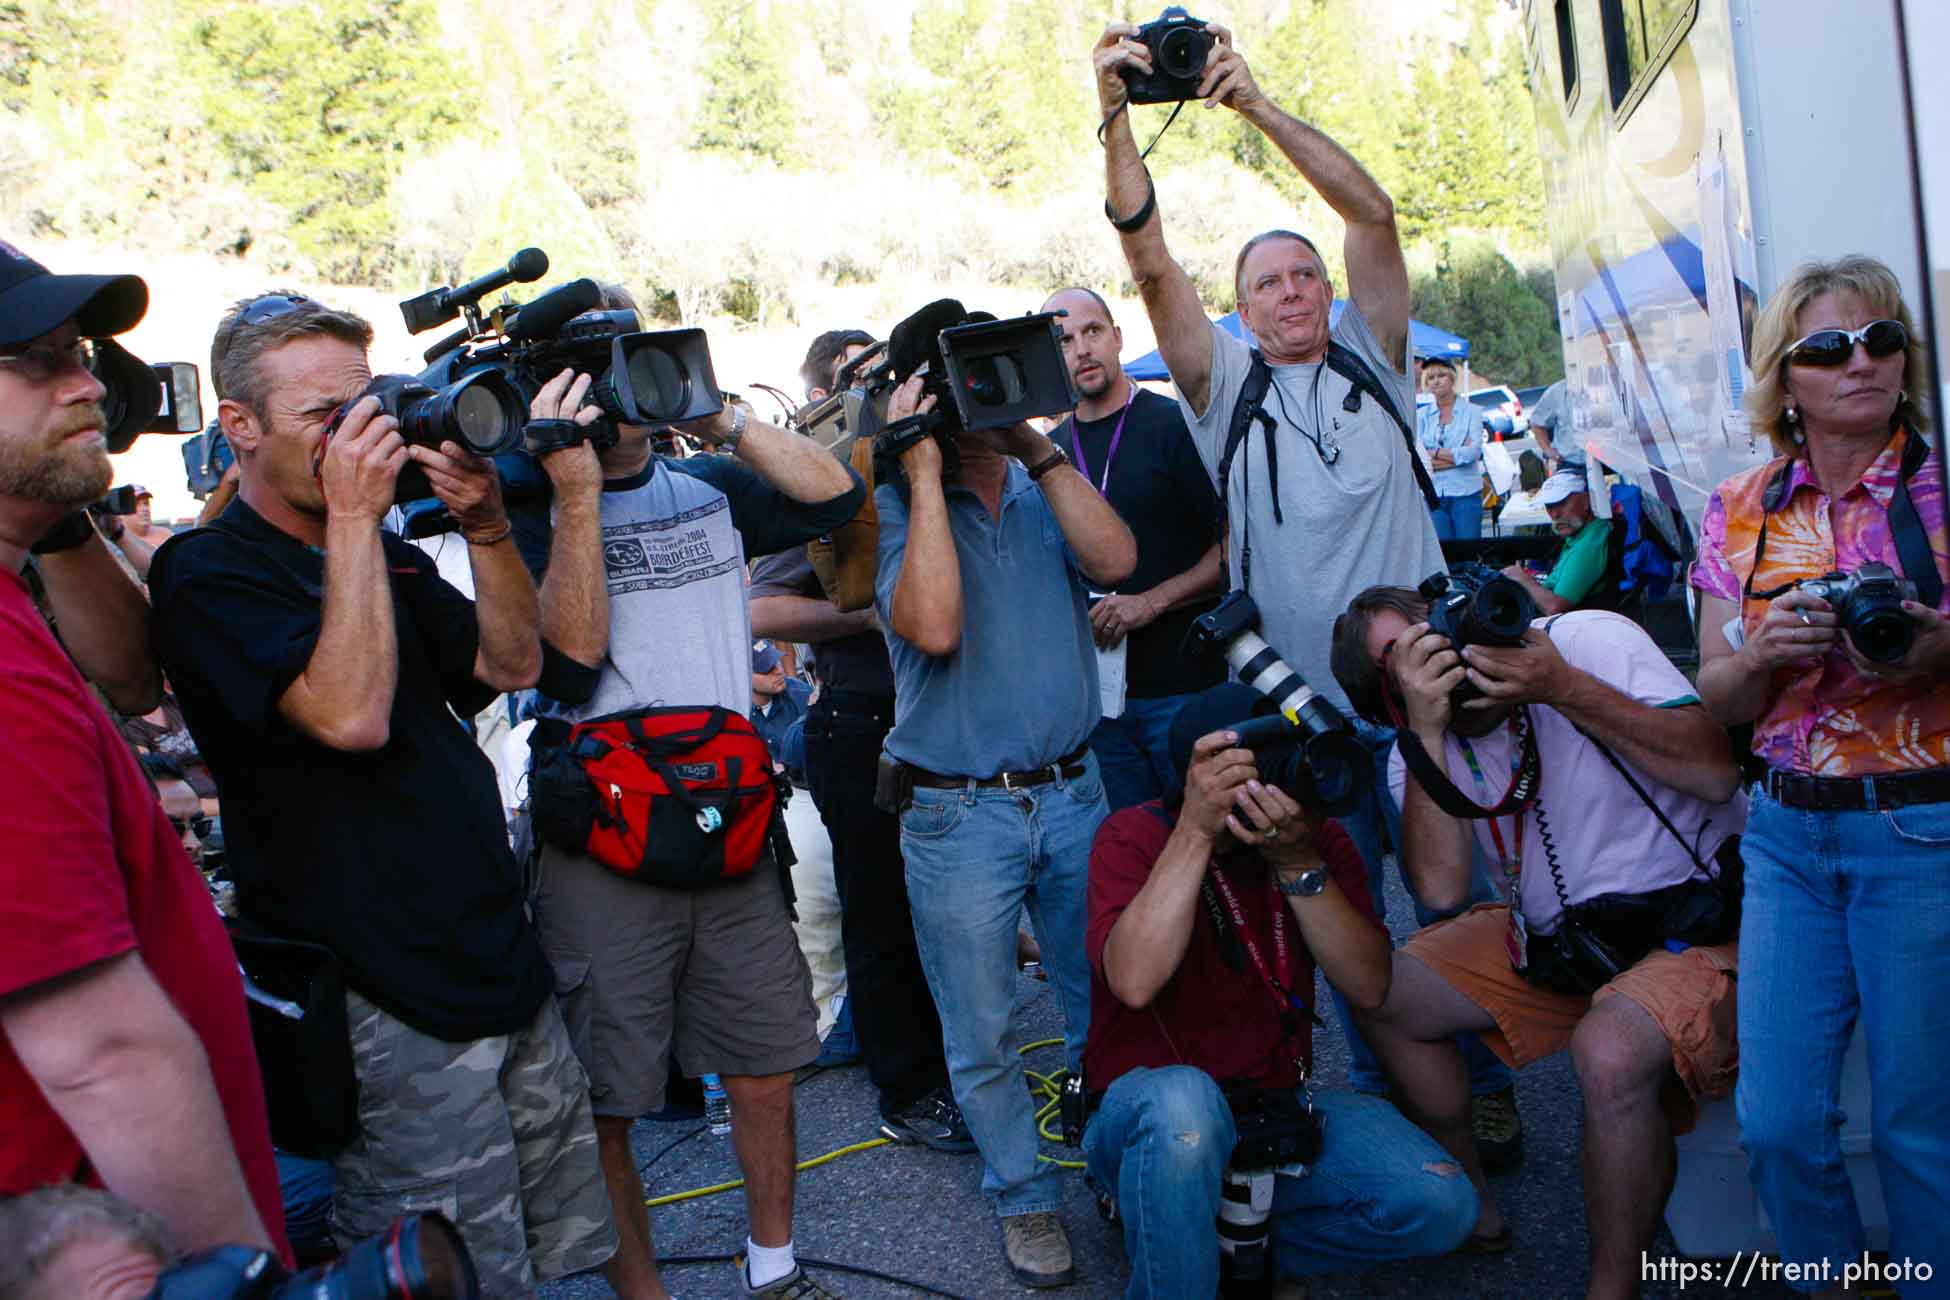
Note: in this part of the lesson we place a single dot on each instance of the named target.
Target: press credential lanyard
(1515, 941)
(1291, 1008)
(1110, 453)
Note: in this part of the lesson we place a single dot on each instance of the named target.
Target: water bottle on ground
(717, 1106)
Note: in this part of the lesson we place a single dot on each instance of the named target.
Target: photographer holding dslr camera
(320, 663)
(1583, 763)
(1207, 917)
(125, 1052)
(1823, 584)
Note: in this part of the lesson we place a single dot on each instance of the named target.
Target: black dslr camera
(1307, 748)
(984, 373)
(421, 1257)
(1179, 46)
(1869, 605)
(1473, 604)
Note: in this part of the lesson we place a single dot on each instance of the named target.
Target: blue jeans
(1847, 913)
(1365, 827)
(974, 857)
(1134, 753)
(1161, 1138)
(306, 1187)
(1458, 517)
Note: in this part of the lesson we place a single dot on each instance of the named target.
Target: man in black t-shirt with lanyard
(1133, 446)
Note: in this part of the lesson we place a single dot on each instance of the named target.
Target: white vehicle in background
(1696, 151)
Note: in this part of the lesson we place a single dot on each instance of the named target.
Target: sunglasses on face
(199, 824)
(43, 362)
(1880, 338)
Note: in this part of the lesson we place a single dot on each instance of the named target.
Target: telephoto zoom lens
(482, 412)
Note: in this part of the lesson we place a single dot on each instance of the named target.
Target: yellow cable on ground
(1048, 1088)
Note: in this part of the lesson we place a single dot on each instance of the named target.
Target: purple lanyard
(1110, 453)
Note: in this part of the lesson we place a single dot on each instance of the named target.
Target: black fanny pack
(296, 999)
(1598, 939)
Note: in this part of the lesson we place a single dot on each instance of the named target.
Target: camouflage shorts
(494, 1133)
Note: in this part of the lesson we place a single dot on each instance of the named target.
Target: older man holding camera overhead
(981, 585)
(1323, 407)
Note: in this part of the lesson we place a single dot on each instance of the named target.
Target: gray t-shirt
(1021, 690)
(1352, 524)
(674, 546)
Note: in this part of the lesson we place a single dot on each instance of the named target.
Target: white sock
(765, 1265)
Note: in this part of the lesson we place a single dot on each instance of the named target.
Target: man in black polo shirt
(894, 1017)
(1133, 447)
(320, 664)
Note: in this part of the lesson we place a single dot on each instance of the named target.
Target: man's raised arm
(1177, 317)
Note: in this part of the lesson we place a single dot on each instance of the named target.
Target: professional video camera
(1869, 605)
(481, 378)
(1473, 604)
(142, 398)
(1179, 46)
(1307, 748)
(984, 373)
(421, 1257)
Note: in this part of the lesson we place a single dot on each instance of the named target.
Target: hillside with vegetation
(750, 164)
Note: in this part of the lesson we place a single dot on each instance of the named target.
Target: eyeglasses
(44, 362)
(200, 824)
(1880, 338)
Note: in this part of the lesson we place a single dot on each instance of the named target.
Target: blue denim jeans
(1458, 517)
(1161, 1138)
(1847, 914)
(1133, 751)
(1365, 827)
(974, 857)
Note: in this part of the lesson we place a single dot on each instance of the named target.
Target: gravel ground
(921, 1216)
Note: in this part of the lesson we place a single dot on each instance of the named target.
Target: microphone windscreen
(529, 265)
(917, 339)
(545, 316)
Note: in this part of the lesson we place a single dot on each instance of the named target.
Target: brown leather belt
(1861, 793)
(1069, 767)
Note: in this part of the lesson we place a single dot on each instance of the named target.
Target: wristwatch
(736, 434)
(1057, 456)
(1308, 884)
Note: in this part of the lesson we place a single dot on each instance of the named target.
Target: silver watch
(737, 432)
(1308, 884)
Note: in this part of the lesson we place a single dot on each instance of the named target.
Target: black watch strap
(1135, 222)
(72, 531)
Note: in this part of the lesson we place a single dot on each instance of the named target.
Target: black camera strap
(1436, 783)
(1905, 526)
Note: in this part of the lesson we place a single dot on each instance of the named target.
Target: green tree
(317, 105)
(1474, 290)
(746, 107)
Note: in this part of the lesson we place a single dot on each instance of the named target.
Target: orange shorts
(1690, 995)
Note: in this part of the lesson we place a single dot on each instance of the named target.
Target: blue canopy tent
(1425, 340)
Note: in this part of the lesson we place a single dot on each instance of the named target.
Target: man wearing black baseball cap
(125, 1051)
(53, 460)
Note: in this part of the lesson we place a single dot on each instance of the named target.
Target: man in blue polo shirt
(981, 590)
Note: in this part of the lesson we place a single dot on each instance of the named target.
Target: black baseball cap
(33, 300)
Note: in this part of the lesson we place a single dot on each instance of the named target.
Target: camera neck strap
(1905, 526)
(1282, 974)
(1526, 777)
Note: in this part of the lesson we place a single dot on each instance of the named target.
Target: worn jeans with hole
(974, 857)
(1381, 1190)
(1847, 914)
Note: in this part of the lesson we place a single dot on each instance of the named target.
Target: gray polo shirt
(1021, 690)
(1351, 524)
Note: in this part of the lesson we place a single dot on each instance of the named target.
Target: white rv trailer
(1694, 152)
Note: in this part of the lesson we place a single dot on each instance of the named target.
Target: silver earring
(1792, 418)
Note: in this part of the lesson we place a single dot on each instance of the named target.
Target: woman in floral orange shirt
(1848, 840)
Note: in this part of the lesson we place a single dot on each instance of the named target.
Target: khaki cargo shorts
(1690, 995)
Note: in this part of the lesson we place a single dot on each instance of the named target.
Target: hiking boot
(1498, 1129)
(1038, 1249)
(793, 1286)
(933, 1121)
